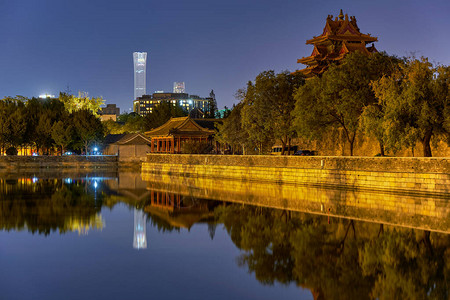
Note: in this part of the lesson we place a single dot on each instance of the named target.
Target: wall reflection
(402, 209)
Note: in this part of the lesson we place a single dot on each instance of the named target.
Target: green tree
(338, 98)
(415, 101)
(88, 128)
(162, 113)
(62, 134)
(231, 132)
(12, 122)
(43, 132)
(83, 101)
(113, 127)
(255, 117)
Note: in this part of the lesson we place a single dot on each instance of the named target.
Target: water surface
(118, 237)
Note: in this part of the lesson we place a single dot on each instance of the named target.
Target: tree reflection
(342, 260)
(58, 207)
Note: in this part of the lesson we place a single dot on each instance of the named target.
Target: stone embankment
(63, 164)
(389, 174)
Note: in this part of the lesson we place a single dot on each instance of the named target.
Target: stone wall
(416, 175)
(61, 164)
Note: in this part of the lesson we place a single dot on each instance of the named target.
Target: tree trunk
(283, 146)
(289, 146)
(426, 143)
(381, 149)
(352, 141)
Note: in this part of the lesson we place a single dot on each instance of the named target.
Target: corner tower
(140, 62)
(339, 37)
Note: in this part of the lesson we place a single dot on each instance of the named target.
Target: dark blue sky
(46, 45)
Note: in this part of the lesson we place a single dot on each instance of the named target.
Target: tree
(43, 132)
(162, 113)
(231, 131)
(254, 117)
(212, 104)
(73, 103)
(88, 127)
(62, 134)
(415, 100)
(338, 98)
(112, 127)
(132, 122)
(12, 122)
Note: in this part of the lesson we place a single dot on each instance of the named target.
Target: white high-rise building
(140, 62)
(179, 87)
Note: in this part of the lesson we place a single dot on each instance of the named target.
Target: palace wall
(390, 174)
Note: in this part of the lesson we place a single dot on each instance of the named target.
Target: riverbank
(64, 164)
(391, 174)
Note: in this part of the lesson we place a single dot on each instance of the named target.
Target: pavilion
(169, 137)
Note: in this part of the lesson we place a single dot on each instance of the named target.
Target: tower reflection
(140, 233)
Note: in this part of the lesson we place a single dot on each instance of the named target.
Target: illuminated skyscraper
(140, 62)
(179, 87)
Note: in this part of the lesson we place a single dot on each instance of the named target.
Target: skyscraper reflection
(140, 234)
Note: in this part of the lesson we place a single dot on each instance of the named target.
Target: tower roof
(340, 36)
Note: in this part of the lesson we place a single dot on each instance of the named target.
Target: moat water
(123, 236)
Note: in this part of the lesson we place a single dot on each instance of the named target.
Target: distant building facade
(110, 112)
(179, 87)
(140, 63)
(145, 104)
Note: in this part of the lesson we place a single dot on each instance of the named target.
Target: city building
(146, 103)
(140, 62)
(340, 36)
(179, 87)
(110, 112)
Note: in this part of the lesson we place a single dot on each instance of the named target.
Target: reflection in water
(334, 259)
(343, 260)
(48, 205)
(140, 227)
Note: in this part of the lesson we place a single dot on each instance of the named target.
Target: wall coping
(348, 163)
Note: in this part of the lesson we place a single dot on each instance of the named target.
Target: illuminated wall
(139, 61)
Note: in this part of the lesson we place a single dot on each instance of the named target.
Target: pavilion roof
(126, 139)
(184, 126)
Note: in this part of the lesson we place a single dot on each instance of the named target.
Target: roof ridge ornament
(341, 15)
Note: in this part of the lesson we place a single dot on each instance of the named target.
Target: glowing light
(34, 179)
(95, 184)
(95, 149)
(44, 96)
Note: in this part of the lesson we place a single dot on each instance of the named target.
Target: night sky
(48, 45)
